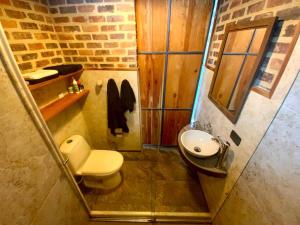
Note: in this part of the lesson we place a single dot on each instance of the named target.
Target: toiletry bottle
(75, 86)
(80, 86)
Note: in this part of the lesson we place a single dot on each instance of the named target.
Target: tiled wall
(268, 190)
(232, 11)
(97, 34)
(29, 29)
(33, 189)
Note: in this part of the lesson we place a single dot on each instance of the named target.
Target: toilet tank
(76, 149)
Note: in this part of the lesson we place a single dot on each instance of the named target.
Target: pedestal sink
(199, 143)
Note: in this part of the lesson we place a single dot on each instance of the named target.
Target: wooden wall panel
(173, 121)
(183, 72)
(151, 16)
(151, 78)
(235, 43)
(151, 120)
(189, 24)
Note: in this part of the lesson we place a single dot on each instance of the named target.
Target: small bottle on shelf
(75, 86)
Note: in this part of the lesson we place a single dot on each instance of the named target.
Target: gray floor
(153, 180)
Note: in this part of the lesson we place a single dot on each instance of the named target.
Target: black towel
(115, 113)
(127, 96)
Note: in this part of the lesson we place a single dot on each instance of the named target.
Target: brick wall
(95, 33)
(232, 11)
(29, 28)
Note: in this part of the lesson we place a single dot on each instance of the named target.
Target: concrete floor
(153, 180)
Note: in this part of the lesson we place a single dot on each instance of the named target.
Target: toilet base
(103, 183)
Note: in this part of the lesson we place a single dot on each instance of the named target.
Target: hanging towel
(115, 114)
(127, 96)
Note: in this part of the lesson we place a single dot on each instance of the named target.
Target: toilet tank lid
(70, 143)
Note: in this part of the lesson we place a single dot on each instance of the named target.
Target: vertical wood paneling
(183, 71)
(151, 78)
(173, 122)
(189, 24)
(151, 16)
(151, 126)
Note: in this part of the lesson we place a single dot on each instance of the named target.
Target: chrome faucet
(224, 147)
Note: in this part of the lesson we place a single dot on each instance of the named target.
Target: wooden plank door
(171, 38)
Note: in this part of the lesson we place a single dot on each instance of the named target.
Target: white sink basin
(199, 143)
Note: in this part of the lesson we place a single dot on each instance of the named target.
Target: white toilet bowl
(99, 168)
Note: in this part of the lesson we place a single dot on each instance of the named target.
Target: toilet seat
(101, 163)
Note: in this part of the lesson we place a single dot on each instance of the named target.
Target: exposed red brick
(41, 36)
(79, 19)
(30, 56)
(120, 51)
(47, 54)
(58, 28)
(96, 19)
(90, 66)
(28, 26)
(40, 8)
(226, 17)
(127, 44)
(100, 37)
(131, 36)
(53, 10)
(63, 45)
(49, 19)
(94, 45)
(128, 59)
(224, 8)
(93, 1)
(85, 52)
(53, 36)
(108, 28)
(8, 23)
(106, 65)
(6, 2)
(111, 44)
(127, 27)
(289, 14)
(235, 3)
(247, 19)
(25, 66)
(221, 37)
(67, 9)
(102, 52)
(65, 37)
(62, 19)
(131, 17)
(115, 18)
(35, 46)
(263, 15)
(290, 30)
(96, 59)
(219, 28)
(51, 45)
(42, 63)
(90, 28)
(76, 45)
(113, 59)
(74, 1)
(106, 8)
(18, 47)
(46, 27)
(276, 64)
(15, 14)
(83, 37)
(71, 28)
(21, 4)
(57, 2)
(125, 7)
(37, 17)
(68, 59)
(86, 8)
(238, 13)
(256, 7)
(112, 0)
(21, 35)
(281, 48)
(273, 3)
(70, 52)
(131, 52)
(266, 77)
(117, 36)
(79, 59)
(56, 60)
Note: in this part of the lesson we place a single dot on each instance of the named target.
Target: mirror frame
(267, 23)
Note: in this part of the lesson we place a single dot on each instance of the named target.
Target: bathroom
(207, 92)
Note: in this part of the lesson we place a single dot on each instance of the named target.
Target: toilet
(99, 168)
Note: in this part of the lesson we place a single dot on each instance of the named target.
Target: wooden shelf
(60, 105)
(61, 77)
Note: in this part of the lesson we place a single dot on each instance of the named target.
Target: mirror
(240, 55)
